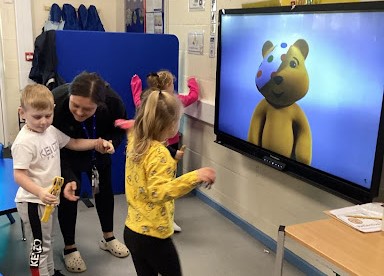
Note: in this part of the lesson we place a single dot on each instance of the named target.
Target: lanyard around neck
(93, 128)
(93, 134)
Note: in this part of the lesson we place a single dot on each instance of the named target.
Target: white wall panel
(24, 36)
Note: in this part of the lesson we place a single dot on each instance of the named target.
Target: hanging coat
(93, 22)
(54, 21)
(82, 14)
(69, 15)
(44, 63)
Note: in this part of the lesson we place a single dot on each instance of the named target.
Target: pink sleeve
(136, 88)
(193, 94)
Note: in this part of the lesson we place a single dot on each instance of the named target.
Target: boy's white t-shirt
(39, 153)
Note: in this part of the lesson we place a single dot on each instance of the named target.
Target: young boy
(36, 161)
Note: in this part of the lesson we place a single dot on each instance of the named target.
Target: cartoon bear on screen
(278, 123)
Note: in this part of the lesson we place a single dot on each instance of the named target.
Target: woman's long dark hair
(89, 85)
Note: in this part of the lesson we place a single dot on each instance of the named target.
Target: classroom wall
(110, 12)
(262, 196)
(10, 94)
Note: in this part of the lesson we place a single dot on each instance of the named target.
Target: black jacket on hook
(44, 63)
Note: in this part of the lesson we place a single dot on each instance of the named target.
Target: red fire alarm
(28, 56)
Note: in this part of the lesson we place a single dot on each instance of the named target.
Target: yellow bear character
(278, 123)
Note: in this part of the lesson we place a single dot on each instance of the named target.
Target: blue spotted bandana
(271, 64)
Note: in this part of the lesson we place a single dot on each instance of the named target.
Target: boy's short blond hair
(37, 96)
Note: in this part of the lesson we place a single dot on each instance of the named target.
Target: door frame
(3, 127)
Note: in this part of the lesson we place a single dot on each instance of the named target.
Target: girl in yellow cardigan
(151, 186)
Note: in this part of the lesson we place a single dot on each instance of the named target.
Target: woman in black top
(87, 108)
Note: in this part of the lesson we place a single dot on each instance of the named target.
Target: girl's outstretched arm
(136, 88)
(193, 94)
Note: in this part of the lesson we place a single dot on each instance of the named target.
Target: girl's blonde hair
(159, 112)
(160, 80)
(37, 96)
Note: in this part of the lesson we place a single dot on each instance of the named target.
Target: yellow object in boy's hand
(183, 147)
(55, 190)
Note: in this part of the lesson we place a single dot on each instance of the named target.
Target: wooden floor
(209, 245)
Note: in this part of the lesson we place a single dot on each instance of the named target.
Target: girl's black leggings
(152, 256)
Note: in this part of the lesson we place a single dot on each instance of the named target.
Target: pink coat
(186, 100)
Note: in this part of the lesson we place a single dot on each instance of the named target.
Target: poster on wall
(154, 17)
(213, 5)
(158, 22)
(154, 23)
(134, 16)
(196, 43)
(154, 5)
(196, 5)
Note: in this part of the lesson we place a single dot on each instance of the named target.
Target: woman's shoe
(74, 262)
(115, 247)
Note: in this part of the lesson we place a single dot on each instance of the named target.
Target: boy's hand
(108, 146)
(46, 196)
(69, 191)
(55, 190)
(104, 146)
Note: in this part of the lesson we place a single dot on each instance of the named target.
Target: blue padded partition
(116, 57)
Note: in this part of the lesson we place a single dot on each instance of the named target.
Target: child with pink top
(164, 80)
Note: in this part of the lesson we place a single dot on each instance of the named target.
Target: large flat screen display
(301, 89)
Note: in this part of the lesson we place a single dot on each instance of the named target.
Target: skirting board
(267, 241)
(202, 110)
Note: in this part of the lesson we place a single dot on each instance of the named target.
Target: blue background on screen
(345, 65)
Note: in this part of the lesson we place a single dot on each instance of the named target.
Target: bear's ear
(303, 46)
(267, 47)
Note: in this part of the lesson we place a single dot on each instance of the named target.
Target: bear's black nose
(278, 79)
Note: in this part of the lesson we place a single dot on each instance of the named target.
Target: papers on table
(365, 217)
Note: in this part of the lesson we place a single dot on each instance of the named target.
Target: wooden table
(354, 252)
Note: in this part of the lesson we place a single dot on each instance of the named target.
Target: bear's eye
(293, 64)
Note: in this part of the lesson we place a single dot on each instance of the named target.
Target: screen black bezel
(331, 183)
